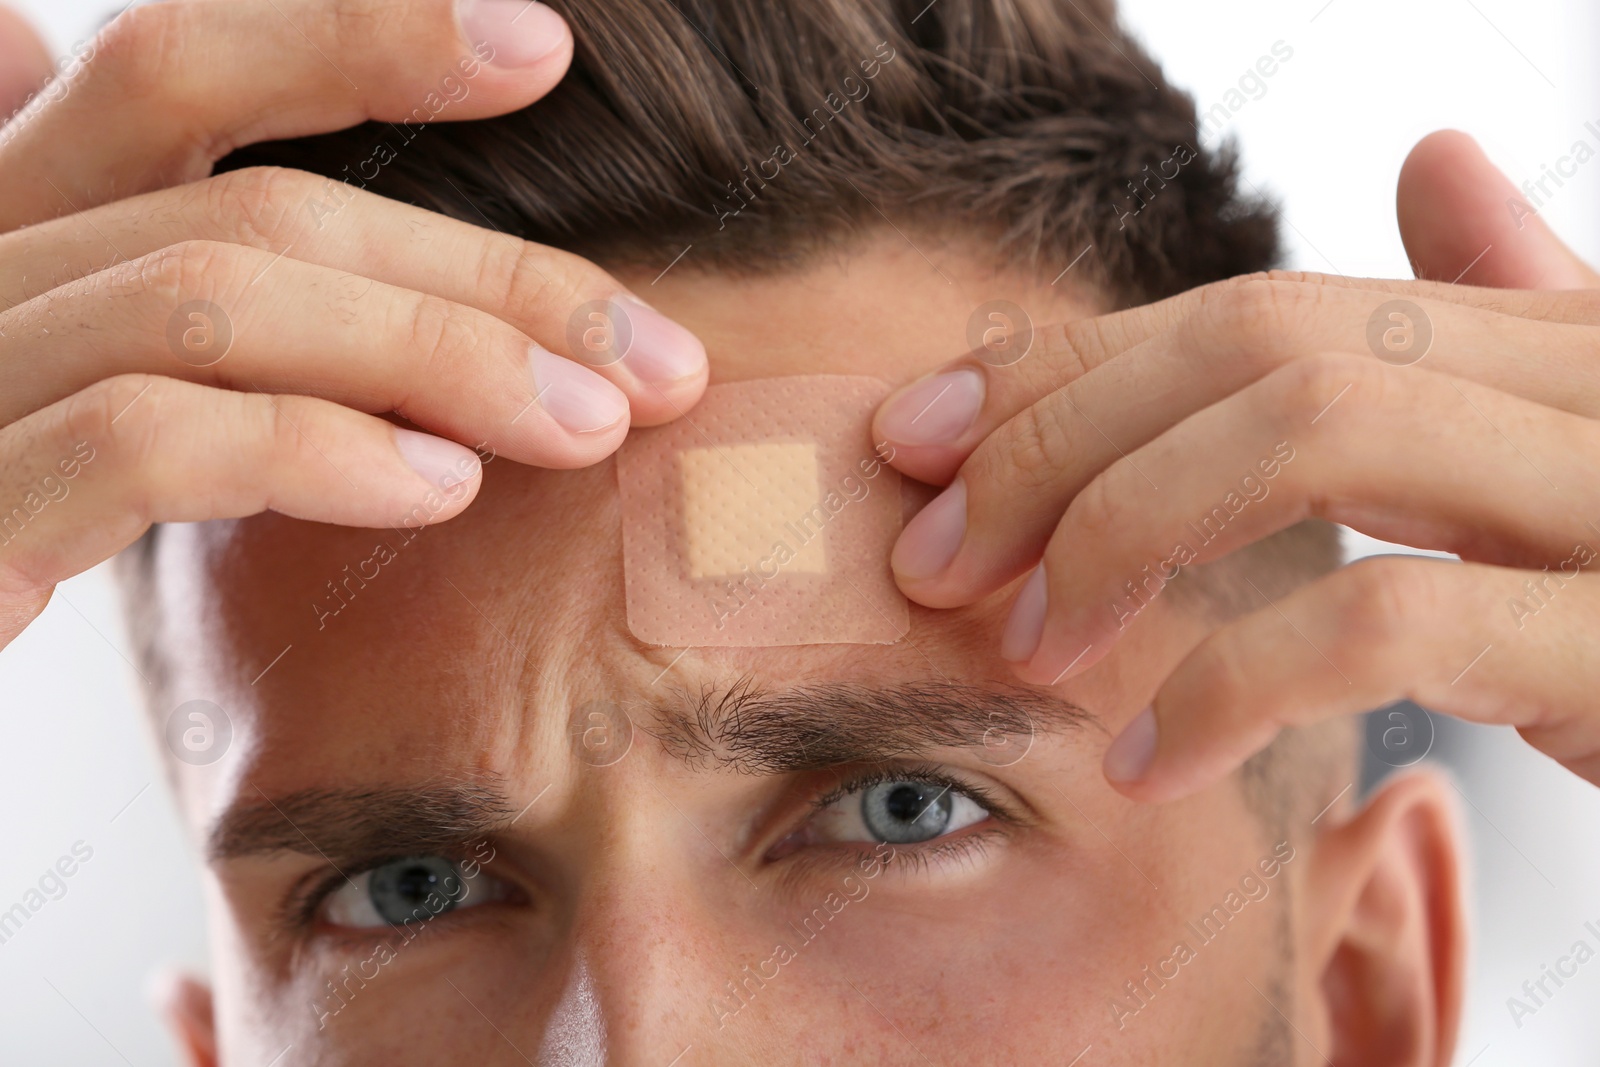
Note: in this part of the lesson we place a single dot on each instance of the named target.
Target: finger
(995, 520)
(567, 304)
(25, 63)
(934, 424)
(1462, 219)
(167, 89)
(1488, 644)
(241, 318)
(1492, 477)
(88, 475)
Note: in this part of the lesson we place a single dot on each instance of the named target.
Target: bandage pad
(763, 518)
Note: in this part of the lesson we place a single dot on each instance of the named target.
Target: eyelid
(306, 896)
(930, 773)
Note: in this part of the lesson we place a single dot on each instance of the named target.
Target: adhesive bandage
(764, 517)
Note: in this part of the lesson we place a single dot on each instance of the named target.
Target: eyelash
(924, 774)
(301, 907)
(958, 848)
(305, 900)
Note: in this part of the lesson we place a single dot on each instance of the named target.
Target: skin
(24, 60)
(1373, 933)
(1499, 479)
(646, 885)
(116, 307)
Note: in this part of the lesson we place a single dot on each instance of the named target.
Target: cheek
(956, 967)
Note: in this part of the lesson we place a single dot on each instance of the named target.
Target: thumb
(24, 62)
(1463, 220)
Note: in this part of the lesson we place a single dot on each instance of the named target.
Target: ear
(185, 1003)
(1463, 220)
(1383, 938)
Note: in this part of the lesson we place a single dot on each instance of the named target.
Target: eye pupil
(906, 812)
(416, 888)
(906, 802)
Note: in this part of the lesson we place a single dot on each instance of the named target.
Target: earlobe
(185, 1003)
(1384, 931)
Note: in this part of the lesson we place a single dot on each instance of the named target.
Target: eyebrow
(350, 824)
(741, 727)
(811, 727)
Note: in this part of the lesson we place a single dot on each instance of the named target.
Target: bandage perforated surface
(763, 518)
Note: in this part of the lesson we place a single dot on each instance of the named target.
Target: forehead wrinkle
(749, 730)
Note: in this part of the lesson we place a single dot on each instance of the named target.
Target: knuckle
(1257, 314)
(1297, 277)
(283, 439)
(442, 335)
(548, 284)
(121, 417)
(1222, 670)
(259, 205)
(1382, 602)
(362, 23)
(1212, 292)
(1102, 505)
(180, 271)
(1067, 349)
(1298, 392)
(1037, 447)
(137, 51)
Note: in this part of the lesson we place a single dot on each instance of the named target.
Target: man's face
(467, 817)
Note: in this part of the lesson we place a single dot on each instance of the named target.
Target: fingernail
(518, 33)
(936, 411)
(442, 464)
(1130, 754)
(931, 538)
(661, 351)
(1025, 627)
(575, 396)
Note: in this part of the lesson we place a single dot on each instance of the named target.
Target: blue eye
(907, 812)
(413, 889)
(904, 811)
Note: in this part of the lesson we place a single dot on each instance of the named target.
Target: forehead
(458, 647)
(464, 642)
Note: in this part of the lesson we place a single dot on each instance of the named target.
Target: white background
(1367, 78)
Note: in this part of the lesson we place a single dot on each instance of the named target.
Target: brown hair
(757, 130)
(761, 130)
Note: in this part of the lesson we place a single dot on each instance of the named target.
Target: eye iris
(906, 812)
(415, 888)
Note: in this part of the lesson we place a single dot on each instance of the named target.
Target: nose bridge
(651, 934)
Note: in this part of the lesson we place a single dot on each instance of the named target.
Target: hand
(1463, 221)
(217, 349)
(1084, 455)
(24, 62)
